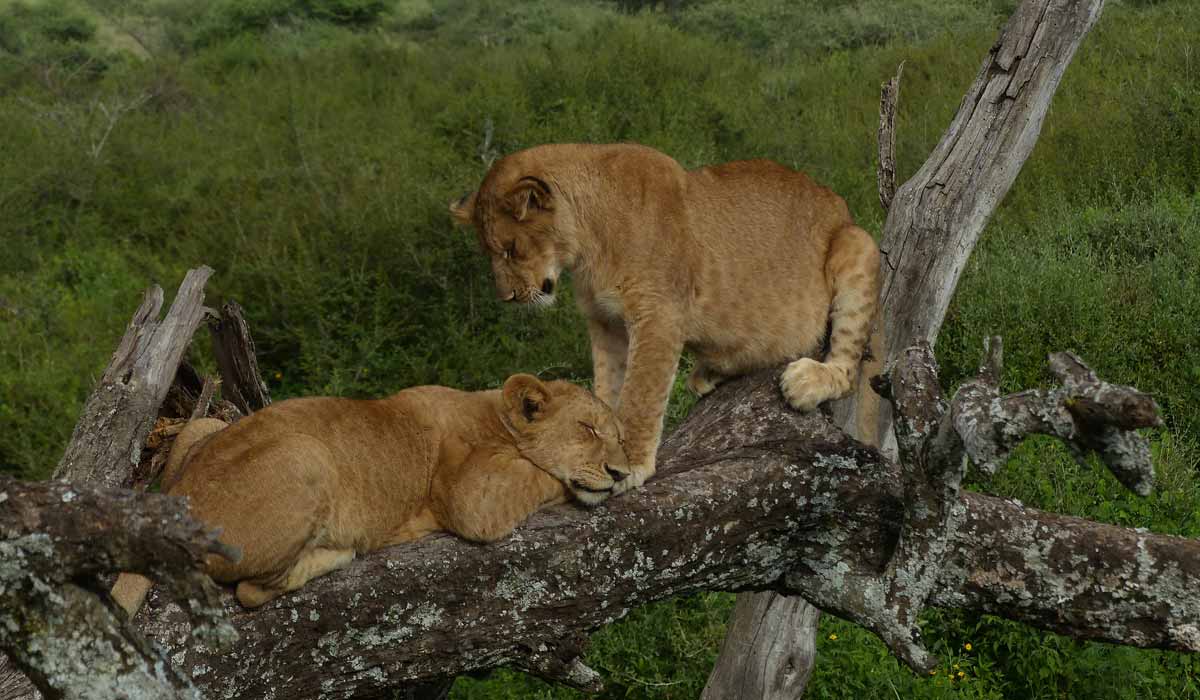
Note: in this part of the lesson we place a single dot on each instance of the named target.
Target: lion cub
(304, 484)
(743, 264)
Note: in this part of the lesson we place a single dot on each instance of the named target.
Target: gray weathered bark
(933, 223)
(938, 214)
(764, 627)
(56, 540)
(108, 439)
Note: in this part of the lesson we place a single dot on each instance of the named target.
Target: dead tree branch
(938, 214)
(108, 439)
(753, 497)
(933, 223)
(234, 349)
(889, 93)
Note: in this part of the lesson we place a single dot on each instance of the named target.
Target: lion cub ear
(463, 208)
(530, 194)
(526, 399)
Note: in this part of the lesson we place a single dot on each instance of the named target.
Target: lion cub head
(523, 226)
(568, 433)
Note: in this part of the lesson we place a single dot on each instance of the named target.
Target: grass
(306, 150)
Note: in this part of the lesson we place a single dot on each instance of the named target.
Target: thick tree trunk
(933, 223)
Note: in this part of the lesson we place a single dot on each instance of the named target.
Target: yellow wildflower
(961, 674)
(833, 637)
(279, 375)
(967, 646)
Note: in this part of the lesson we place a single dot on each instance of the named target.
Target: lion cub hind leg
(310, 564)
(852, 270)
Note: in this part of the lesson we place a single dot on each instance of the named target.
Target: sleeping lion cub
(743, 264)
(304, 484)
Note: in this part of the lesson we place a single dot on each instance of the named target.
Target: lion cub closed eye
(744, 264)
(305, 484)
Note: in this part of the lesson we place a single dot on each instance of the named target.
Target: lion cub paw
(806, 383)
(701, 382)
(638, 473)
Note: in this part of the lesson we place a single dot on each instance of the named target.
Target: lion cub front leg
(491, 494)
(610, 351)
(655, 345)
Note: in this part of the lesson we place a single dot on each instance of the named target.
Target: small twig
(889, 93)
(487, 154)
(205, 399)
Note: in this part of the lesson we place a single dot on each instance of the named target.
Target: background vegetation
(306, 150)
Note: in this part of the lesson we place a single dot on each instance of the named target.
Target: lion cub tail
(130, 589)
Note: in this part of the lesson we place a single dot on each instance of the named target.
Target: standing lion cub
(304, 484)
(743, 264)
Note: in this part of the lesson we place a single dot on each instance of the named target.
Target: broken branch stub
(108, 439)
(889, 93)
(233, 347)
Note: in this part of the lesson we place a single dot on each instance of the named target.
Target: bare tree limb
(753, 497)
(938, 214)
(889, 93)
(1087, 414)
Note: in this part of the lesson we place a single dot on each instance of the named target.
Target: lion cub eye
(591, 430)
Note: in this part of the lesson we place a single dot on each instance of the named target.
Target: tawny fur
(742, 264)
(304, 485)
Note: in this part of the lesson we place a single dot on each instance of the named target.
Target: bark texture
(108, 439)
(56, 541)
(234, 349)
(764, 627)
(753, 497)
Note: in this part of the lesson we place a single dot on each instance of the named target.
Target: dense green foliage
(306, 150)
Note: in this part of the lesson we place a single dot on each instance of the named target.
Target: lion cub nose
(548, 286)
(616, 474)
